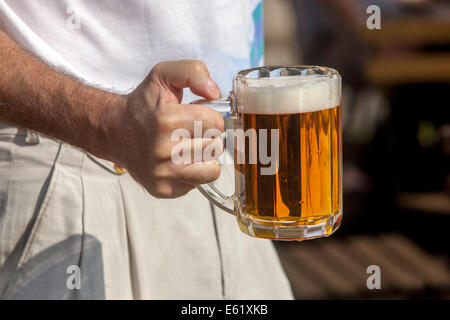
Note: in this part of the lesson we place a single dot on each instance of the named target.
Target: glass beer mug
(290, 115)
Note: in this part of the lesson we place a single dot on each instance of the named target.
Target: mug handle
(215, 196)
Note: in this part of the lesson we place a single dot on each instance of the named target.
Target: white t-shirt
(113, 44)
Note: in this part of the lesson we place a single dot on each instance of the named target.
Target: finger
(187, 151)
(166, 189)
(197, 119)
(200, 173)
(192, 174)
(192, 74)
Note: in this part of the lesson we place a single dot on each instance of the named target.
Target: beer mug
(294, 112)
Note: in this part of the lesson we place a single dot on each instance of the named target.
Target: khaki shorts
(63, 210)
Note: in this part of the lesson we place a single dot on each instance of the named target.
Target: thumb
(192, 74)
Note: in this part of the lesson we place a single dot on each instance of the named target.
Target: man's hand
(141, 136)
(131, 130)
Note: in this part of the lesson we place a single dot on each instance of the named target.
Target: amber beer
(306, 187)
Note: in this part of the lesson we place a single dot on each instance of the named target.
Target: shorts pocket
(53, 240)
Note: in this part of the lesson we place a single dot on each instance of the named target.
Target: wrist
(101, 130)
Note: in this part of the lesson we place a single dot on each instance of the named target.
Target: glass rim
(266, 71)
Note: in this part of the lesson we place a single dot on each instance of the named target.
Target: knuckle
(156, 71)
(198, 115)
(159, 153)
(159, 66)
(165, 110)
(215, 119)
(163, 190)
(209, 116)
(198, 67)
(219, 123)
(165, 123)
(159, 125)
(169, 120)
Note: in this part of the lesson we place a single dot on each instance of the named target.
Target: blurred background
(396, 131)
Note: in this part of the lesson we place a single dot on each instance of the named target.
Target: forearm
(35, 96)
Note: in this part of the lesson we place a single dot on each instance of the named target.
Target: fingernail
(213, 89)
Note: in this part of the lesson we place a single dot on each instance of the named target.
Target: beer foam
(290, 94)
